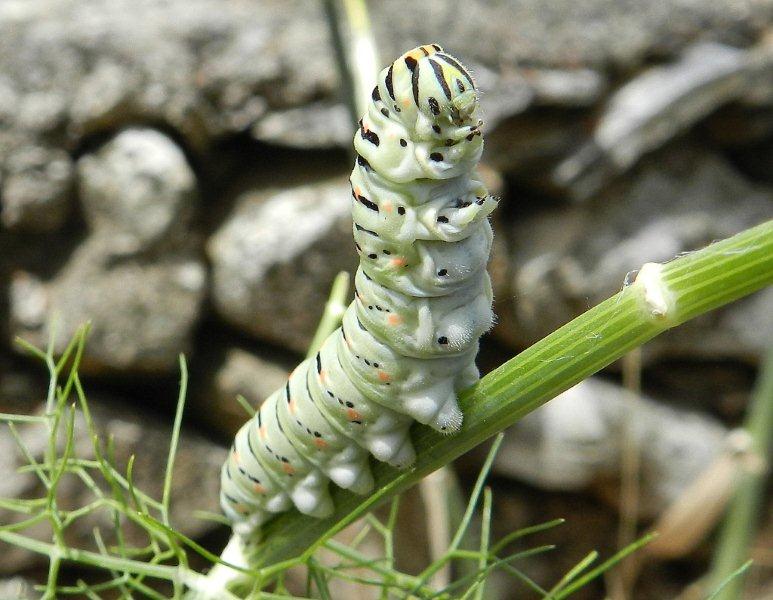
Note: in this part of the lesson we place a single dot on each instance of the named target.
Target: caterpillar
(408, 341)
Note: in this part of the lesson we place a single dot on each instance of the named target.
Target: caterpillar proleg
(408, 341)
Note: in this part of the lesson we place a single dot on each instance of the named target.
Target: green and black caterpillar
(408, 341)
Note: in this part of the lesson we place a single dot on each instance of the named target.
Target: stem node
(658, 299)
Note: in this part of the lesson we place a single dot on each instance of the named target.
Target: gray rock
(576, 440)
(316, 124)
(596, 34)
(36, 188)
(275, 257)
(142, 313)
(136, 277)
(200, 68)
(196, 478)
(568, 259)
(20, 391)
(529, 145)
(16, 588)
(137, 190)
(233, 371)
(206, 69)
(653, 108)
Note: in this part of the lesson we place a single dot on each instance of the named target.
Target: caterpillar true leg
(407, 343)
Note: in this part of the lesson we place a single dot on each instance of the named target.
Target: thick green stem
(744, 512)
(662, 297)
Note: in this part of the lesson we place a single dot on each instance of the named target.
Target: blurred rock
(36, 188)
(576, 441)
(205, 69)
(201, 68)
(720, 387)
(137, 277)
(737, 126)
(568, 259)
(275, 257)
(596, 34)
(137, 191)
(313, 125)
(17, 588)
(529, 145)
(20, 390)
(142, 313)
(144, 435)
(227, 372)
(653, 108)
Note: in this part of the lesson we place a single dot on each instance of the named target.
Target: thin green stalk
(744, 513)
(356, 56)
(334, 310)
(468, 513)
(485, 536)
(497, 563)
(570, 589)
(575, 571)
(516, 535)
(90, 558)
(23, 418)
(662, 297)
(399, 579)
(178, 418)
(363, 57)
(735, 575)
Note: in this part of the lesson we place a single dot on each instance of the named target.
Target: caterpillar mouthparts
(408, 341)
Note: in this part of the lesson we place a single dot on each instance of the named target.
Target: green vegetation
(661, 297)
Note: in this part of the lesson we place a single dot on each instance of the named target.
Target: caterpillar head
(430, 87)
(423, 120)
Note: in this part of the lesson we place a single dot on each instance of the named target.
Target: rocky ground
(175, 172)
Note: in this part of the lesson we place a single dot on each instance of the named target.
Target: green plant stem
(363, 58)
(175, 440)
(357, 58)
(691, 285)
(90, 558)
(744, 513)
(334, 310)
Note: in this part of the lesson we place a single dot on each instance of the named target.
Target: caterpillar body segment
(407, 343)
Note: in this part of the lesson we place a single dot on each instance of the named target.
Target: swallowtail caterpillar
(408, 341)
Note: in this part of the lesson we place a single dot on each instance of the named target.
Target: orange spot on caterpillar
(357, 191)
(353, 415)
(323, 375)
(320, 443)
(259, 489)
(406, 101)
(291, 406)
(398, 262)
(236, 456)
(394, 319)
(387, 206)
(288, 468)
(262, 432)
(383, 376)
